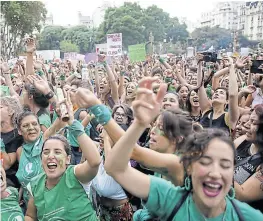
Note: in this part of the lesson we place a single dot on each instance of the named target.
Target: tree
(217, 37)
(127, 20)
(136, 24)
(19, 18)
(67, 46)
(50, 38)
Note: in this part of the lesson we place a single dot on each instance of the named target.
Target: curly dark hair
(176, 124)
(39, 98)
(24, 114)
(197, 143)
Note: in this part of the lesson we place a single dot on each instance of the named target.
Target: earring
(232, 193)
(187, 183)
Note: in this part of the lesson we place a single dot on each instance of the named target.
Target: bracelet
(161, 60)
(40, 73)
(49, 95)
(122, 73)
(102, 113)
(76, 129)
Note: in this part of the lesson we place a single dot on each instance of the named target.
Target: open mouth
(52, 166)
(195, 99)
(211, 189)
(166, 106)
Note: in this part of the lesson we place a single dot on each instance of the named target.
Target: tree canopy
(19, 18)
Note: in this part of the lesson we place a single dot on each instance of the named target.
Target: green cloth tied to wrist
(161, 60)
(40, 73)
(76, 129)
(102, 113)
(122, 73)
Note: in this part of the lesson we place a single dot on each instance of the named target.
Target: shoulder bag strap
(239, 214)
(178, 205)
(211, 119)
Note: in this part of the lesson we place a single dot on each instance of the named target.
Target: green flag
(137, 52)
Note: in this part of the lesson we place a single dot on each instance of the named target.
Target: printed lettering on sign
(114, 44)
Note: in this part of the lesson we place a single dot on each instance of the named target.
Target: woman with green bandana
(29, 154)
(58, 193)
(9, 207)
(208, 158)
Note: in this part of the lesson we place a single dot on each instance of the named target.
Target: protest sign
(114, 44)
(48, 54)
(70, 56)
(101, 48)
(137, 52)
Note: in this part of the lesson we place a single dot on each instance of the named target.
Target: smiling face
(2, 180)
(183, 92)
(252, 126)
(212, 174)
(131, 90)
(54, 158)
(29, 129)
(219, 96)
(158, 141)
(194, 99)
(104, 86)
(242, 126)
(170, 101)
(120, 117)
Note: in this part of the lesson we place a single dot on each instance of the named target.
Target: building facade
(85, 20)
(244, 17)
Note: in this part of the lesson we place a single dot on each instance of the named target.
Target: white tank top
(106, 186)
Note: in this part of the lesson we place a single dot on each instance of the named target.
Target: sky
(65, 11)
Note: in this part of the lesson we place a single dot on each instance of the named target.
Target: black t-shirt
(12, 141)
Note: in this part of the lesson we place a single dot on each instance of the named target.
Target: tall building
(98, 14)
(49, 20)
(85, 20)
(223, 15)
(191, 26)
(253, 25)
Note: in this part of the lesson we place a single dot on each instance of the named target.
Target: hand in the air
(147, 105)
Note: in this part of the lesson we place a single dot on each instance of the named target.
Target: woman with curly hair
(10, 139)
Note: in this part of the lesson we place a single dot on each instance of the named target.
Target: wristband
(104, 63)
(76, 129)
(102, 113)
(49, 95)
(40, 73)
(122, 73)
(161, 60)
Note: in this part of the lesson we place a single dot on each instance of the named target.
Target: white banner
(114, 44)
(101, 48)
(49, 54)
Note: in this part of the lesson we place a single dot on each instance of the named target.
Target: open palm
(39, 83)
(147, 105)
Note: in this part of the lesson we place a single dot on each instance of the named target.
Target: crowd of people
(164, 139)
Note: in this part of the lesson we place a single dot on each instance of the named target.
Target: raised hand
(250, 89)
(241, 62)
(30, 45)
(39, 83)
(38, 65)
(147, 105)
(85, 98)
(5, 68)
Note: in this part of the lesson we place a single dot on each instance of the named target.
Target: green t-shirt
(44, 119)
(164, 196)
(2, 145)
(30, 164)
(66, 201)
(10, 209)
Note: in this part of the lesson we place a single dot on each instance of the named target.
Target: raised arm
(233, 96)
(203, 99)
(146, 108)
(251, 190)
(31, 213)
(30, 49)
